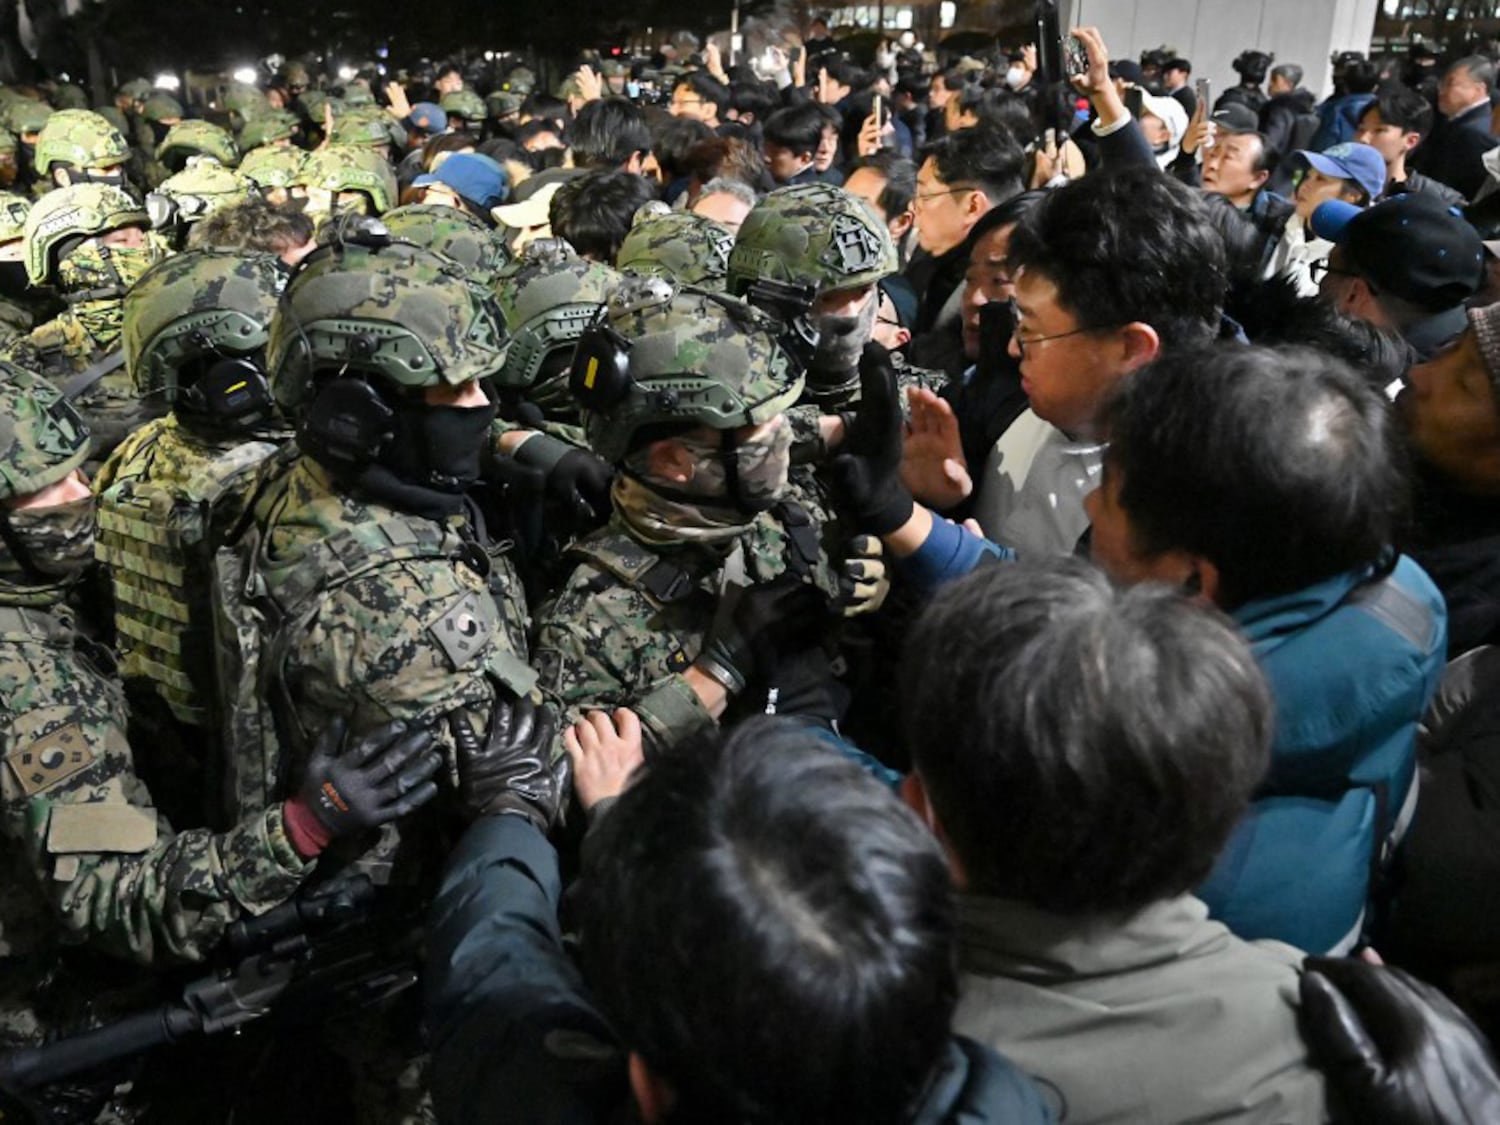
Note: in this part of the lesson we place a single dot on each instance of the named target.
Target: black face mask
(439, 447)
(13, 279)
(996, 326)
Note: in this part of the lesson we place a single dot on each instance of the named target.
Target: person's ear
(634, 163)
(1260, 179)
(653, 1097)
(902, 224)
(903, 337)
(1410, 141)
(914, 796)
(1139, 345)
(1203, 580)
(976, 204)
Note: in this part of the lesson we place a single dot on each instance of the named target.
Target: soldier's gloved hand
(863, 579)
(868, 469)
(753, 624)
(511, 770)
(356, 784)
(573, 477)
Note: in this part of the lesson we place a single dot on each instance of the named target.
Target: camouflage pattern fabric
(351, 168)
(273, 125)
(454, 234)
(80, 138)
(25, 115)
(463, 103)
(811, 234)
(205, 186)
(196, 138)
(680, 246)
(273, 166)
(65, 213)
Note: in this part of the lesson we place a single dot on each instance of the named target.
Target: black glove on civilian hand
(512, 769)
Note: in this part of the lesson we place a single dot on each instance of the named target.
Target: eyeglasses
(1317, 270)
(1023, 341)
(921, 196)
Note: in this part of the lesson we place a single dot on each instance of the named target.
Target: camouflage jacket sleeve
(412, 640)
(602, 648)
(114, 873)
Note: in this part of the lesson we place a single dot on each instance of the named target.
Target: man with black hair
(1083, 776)
(1175, 73)
(1338, 116)
(701, 97)
(959, 178)
(1268, 483)
(750, 103)
(791, 138)
(887, 181)
(1394, 124)
(1453, 152)
(448, 80)
(704, 923)
(594, 211)
(610, 134)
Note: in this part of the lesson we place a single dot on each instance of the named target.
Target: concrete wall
(1210, 33)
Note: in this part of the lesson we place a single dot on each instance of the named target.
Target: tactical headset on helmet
(195, 333)
(79, 139)
(451, 232)
(273, 166)
(813, 235)
(549, 297)
(43, 438)
(196, 138)
(273, 125)
(68, 215)
(348, 168)
(661, 356)
(680, 246)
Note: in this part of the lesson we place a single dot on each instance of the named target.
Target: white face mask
(1015, 76)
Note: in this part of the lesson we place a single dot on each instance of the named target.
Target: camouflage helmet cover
(548, 297)
(26, 115)
(272, 125)
(79, 138)
(362, 125)
(811, 234)
(196, 138)
(350, 168)
(134, 88)
(453, 233)
(160, 106)
(79, 210)
(399, 312)
(694, 358)
(679, 246)
(465, 103)
(205, 186)
(202, 302)
(246, 100)
(13, 211)
(42, 437)
(273, 166)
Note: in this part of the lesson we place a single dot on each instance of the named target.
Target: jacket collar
(1266, 621)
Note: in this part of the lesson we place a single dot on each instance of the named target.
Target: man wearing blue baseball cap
(1351, 172)
(468, 181)
(1407, 264)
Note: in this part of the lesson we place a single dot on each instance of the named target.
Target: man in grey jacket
(1084, 776)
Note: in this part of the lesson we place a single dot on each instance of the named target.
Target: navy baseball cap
(1412, 246)
(1350, 161)
(1234, 117)
(478, 179)
(428, 117)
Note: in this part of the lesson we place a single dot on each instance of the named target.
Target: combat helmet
(26, 115)
(349, 168)
(679, 246)
(464, 103)
(79, 138)
(669, 357)
(521, 80)
(195, 329)
(273, 125)
(362, 125)
(42, 439)
(196, 138)
(813, 235)
(65, 216)
(202, 188)
(273, 166)
(161, 107)
(399, 312)
(451, 232)
(13, 211)
(68, 95)
(246, 102)
(549, 296)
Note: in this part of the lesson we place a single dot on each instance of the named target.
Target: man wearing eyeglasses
(699, 96)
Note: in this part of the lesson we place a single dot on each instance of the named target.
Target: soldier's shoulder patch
(463, 632)
(54, 757)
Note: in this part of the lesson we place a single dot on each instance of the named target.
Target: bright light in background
(245, 74)
(167, 82)
(347, 73)
(489, 56)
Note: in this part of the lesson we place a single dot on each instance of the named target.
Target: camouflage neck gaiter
(56, 542)
(105, 271)
(102, 320)
(653, 518)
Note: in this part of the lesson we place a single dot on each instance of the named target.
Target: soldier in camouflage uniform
(707, 592)
(344, 179)
(680, 246)
(89, 860)
(196, 138)
(190, 196)
(195, 335)
(77, 146)
(88, 242)
(18, 302)
(276, 169)
(465, 110)
(453, 233)
(548, 296)
(275, 127)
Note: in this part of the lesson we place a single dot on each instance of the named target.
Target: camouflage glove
(354, 785)
(863, 579)
(868, 470)
(512, 770)
(754, 625)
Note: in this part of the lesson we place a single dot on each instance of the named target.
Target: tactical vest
(156, 537)
(255, 630)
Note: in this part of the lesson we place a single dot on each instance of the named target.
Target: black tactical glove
(369, 782)
(868, 468)
(572, 477)
(753, 624)
(1395, 1050)
(864, 581)
(512, 770)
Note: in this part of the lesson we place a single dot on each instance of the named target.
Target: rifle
(322, 951)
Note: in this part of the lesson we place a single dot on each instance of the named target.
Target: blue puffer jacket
(1352, 663)
(1339, 120)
